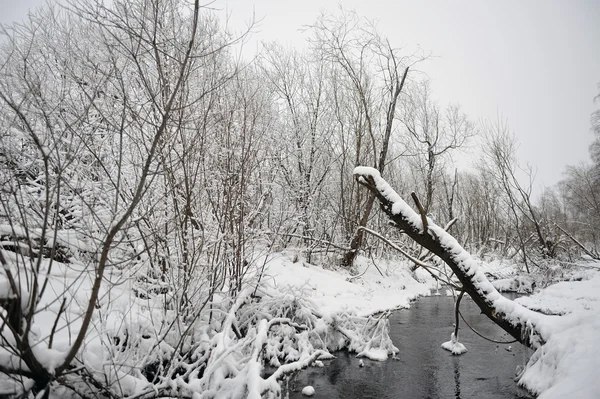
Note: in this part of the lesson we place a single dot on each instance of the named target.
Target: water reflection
(456, 379)
(423, 368)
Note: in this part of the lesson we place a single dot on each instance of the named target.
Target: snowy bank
(346, 301)
(365, 293)
(568, 365)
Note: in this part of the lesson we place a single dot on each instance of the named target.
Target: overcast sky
(534, 63)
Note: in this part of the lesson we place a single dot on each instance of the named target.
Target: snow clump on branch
(454, 346)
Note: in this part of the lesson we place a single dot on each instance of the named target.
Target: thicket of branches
(146, 170)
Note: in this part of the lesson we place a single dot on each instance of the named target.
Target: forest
(149, 174)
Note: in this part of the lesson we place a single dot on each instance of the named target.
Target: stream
(423, 368)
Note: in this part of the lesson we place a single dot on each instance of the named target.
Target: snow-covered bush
(109, 253)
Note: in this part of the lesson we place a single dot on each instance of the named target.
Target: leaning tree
(526, 326)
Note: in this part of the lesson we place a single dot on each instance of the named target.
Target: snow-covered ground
(372, 288)
(568, 365)
(325, 308)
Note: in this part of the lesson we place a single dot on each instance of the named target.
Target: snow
(454, 346)
(13, 230)
(375, 354)
(344, 310)
(5, 289)
(399, 205)
(308, 391)
(518, 284)
(567, 365)
(69, 238)
(50, 358)
(334, 291)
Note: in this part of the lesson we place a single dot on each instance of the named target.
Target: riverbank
(372, 286)
(566, 366)
(422, 369)
(368, 289)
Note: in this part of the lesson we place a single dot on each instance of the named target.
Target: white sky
(534, 63)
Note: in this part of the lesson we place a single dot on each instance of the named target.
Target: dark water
(424, 369)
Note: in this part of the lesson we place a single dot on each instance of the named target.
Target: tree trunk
(356, 242)
(524, 325)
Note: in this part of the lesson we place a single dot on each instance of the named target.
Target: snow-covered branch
(527, 326)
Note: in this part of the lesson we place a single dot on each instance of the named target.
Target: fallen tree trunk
(525, 325)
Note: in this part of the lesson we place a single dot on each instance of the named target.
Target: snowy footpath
(568, 365)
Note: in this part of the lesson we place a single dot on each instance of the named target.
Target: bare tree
(303, 154)
(500, 150)
(352, 46)
(432, 134)
(483, 218)
(91, 96)
(581, 193)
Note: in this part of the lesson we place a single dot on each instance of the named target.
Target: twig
(329, 243)
(299, 364)
(580, 245)
(397, 248)
(457, 311)
(53, 331)
(450, 224)
(481, 335)
(421, 211)
(409, 257)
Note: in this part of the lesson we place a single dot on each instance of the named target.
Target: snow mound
(567, 365)
(454, 346)
(347, 310)
(376, 287)
(378, 354)
(518, 284)
(308, 391)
